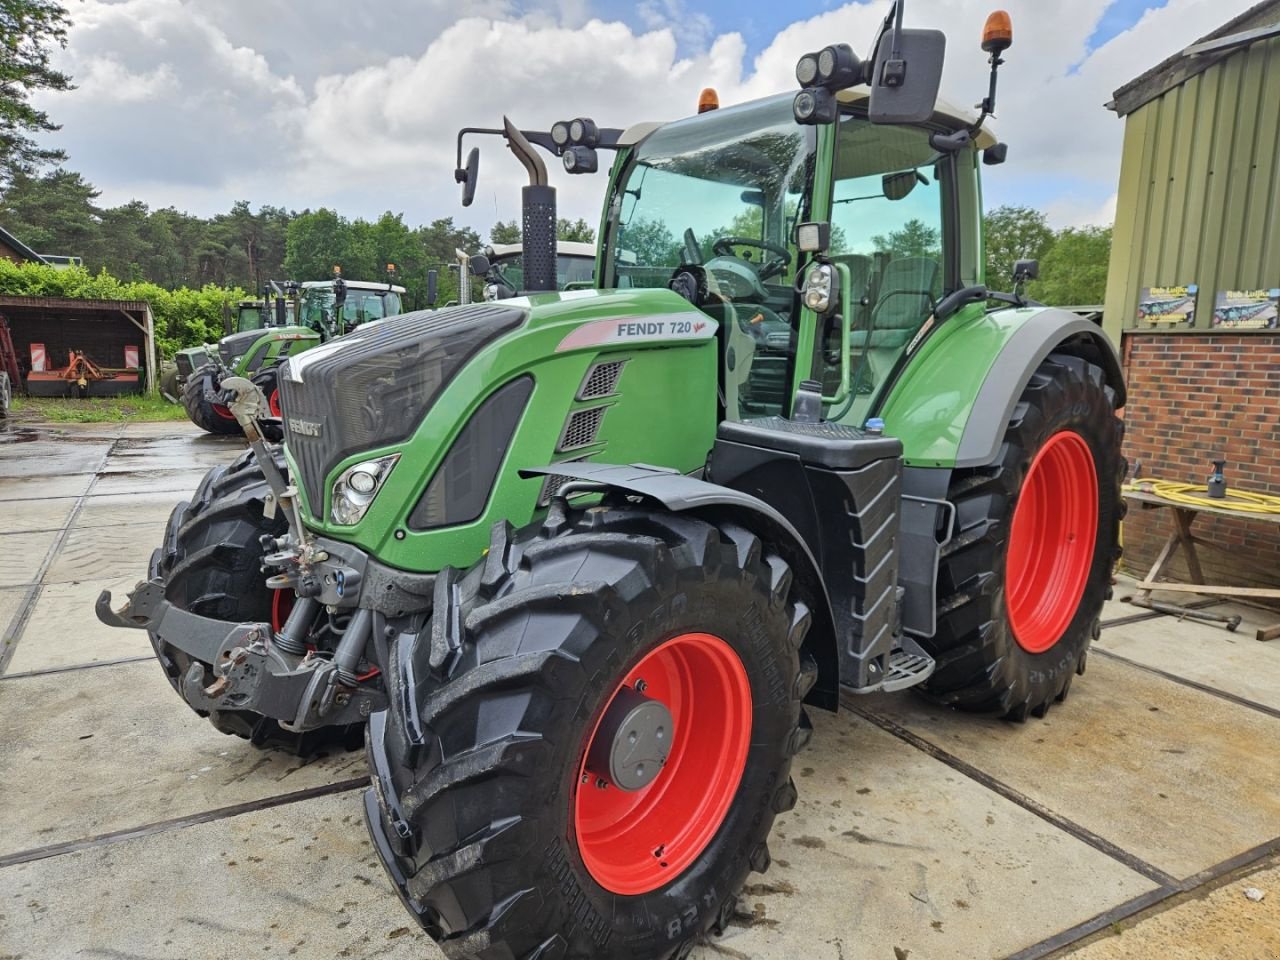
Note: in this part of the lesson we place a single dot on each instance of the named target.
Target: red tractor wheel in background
(593, 738)
(268, 381)
(1022, 582)
(205, 411)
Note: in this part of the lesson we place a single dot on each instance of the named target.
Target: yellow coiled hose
(1194, 495)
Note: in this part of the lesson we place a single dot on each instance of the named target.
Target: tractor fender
(680, 493)
(1045, 332)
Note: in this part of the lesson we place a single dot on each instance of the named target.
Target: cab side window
(887, 227)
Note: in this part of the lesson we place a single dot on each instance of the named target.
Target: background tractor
(290, 319)
(582, 560)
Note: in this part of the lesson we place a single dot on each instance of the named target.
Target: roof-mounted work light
(821, 74)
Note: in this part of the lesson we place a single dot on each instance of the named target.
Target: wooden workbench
(1184, 515)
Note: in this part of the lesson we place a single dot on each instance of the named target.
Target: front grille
(581, 429)
(601, 380)
(372, 387)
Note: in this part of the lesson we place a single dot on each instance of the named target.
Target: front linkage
(275, 671)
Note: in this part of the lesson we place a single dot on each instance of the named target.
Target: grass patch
(135, 409)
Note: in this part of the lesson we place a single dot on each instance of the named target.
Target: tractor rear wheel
(1022, 582)
(205, 412)
(588, 745)
(211, 564)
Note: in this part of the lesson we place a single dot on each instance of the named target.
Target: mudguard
(954, 399)
(684, 494)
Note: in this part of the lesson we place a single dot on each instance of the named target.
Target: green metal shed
(1199, 195)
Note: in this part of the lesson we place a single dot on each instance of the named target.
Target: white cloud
(381, 90)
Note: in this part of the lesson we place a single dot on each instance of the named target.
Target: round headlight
(362, 481)
(576, 130)
(807, 69)
(804, 105)
(560, 133)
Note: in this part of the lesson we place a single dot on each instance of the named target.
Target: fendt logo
(306, 428)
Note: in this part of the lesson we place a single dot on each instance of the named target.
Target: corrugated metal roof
(73, 305)
(1188, 63)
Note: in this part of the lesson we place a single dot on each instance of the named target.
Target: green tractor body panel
(658, 407)
(930, 405)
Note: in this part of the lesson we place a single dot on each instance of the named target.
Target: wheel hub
(630, 747)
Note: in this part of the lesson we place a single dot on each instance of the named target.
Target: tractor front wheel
(1022, 581)
(588, 745)
(198, 399)
(211, 564)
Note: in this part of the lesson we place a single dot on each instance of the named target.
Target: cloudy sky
(355, 105)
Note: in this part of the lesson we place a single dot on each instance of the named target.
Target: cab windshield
(724, 192)
(360, 307)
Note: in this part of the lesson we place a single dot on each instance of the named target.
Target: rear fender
(716, 504)
(954, 398)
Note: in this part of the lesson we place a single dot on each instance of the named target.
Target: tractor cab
(334, 307)
(711, 206)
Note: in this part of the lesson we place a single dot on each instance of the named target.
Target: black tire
(211, 564)
(169, 388)
(476, 762)
(981, 666)
(196, 400)
(268, 381)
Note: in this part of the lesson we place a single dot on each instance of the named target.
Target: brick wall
(1194, 399)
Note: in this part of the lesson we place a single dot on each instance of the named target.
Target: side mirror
(479, 265)
(898, 186)
(905, 81)
(467, 176)
(995, 155)
(1024, 270)
(226, 319)
(339, 292)
(433, 288)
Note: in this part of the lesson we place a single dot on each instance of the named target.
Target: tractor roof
(564, 248)
(354, 285)
(945, 112)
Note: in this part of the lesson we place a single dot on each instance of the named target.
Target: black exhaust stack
(538, 214)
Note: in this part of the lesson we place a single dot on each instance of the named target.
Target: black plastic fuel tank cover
(830, 445)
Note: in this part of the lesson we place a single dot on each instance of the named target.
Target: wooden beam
(1271, 593)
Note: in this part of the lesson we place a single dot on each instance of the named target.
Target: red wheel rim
(633, 842)
(274, 403)
(1055, 527)
(281, 607)
(222, 410)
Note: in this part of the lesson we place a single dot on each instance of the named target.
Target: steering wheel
(723, 247)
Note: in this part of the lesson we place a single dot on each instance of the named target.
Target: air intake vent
(581, 429)
(602, 380)
(551, 486)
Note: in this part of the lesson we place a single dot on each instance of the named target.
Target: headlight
(491, 292)
(235, 361)
(817, 287)
(355, 490)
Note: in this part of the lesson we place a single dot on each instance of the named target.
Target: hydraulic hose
(1194, 495)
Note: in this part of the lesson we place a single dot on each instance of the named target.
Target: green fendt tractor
(581, 560)
(290, 319)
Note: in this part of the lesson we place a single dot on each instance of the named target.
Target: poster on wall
(1247, 309)
(1164, 308)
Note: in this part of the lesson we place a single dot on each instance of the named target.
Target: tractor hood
(236, 345)
(372, 387)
